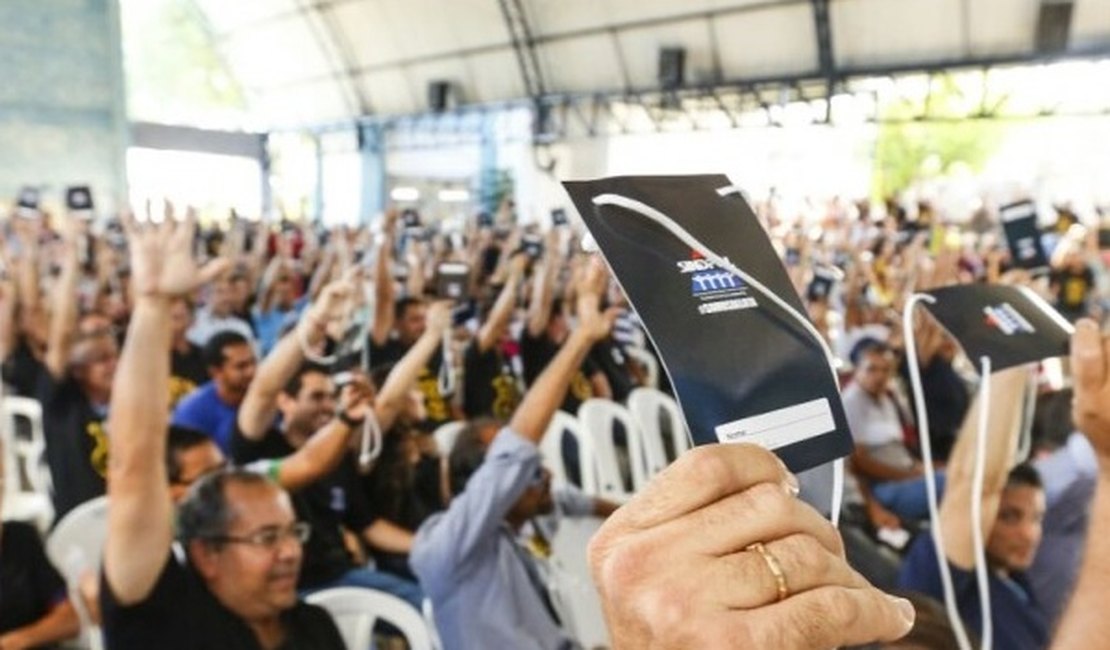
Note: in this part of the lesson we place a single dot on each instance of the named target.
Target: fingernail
(789, 481)
(790, 484)
(905, 608)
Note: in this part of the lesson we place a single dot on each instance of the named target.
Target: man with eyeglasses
(236, 586)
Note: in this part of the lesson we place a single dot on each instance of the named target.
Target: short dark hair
(403, 304)
(867, 345)
(468, 453)
(205, 514)
(180, 440)
(213, 351)
(292, 387)
(1024, 475)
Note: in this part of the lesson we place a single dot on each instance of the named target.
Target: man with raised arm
(1013, 505)
(303, 396)
(467, 558)
(235, 587)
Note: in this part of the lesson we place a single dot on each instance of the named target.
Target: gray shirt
(1070, 475)
(484, 591)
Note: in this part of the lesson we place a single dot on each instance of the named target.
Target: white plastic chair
(551, 448)
(648, 361)
(25, 457)
(598, 417)
(446, 434)
(648, 406)
(570, 586)
(75, 547)
(355, 611)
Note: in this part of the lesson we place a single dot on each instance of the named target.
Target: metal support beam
(524, 45)
(826, 63)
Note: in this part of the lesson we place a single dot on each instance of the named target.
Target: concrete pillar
(371, 144)
(63, 114)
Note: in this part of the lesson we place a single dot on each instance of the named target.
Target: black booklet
(743, 369)
(1019, 222)
(1011, 325)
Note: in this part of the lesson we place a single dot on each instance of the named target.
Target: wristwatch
(348, 420)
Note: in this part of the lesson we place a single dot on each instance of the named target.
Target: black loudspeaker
(1054, 26)
(439, 95)
(672, 67)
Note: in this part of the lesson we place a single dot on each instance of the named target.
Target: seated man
(304, 397)
(890, 477)
(236, 586)
(211, 408)
(466, 557)
(1013, 507)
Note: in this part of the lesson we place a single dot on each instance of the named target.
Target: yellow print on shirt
(1075, 291)
(179, 388)
(505, 397)
(580, 387)
(98, 457)
(437, 407)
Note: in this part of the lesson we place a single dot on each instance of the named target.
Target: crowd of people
(258, 404)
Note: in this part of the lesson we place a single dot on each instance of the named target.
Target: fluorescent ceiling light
(405, 194)
(454, 196)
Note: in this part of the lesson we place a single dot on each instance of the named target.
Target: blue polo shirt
(1019, 621)
(204, 411)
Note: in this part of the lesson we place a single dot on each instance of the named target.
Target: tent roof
(305, 62)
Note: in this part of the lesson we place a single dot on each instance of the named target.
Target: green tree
(918, 139)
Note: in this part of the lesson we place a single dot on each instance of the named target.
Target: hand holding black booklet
(743, 368)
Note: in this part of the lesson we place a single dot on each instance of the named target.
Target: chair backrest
(648, 361)
(551, 448)
(77, 543)
(355, 610)
(446, 434)
(598, 418)
(649, 407)
(24, 453)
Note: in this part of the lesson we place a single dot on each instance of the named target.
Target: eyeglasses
(271, 537)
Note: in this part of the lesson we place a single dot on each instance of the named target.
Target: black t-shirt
(609, 356)
(16, 371)
(181, 614)
(327, 505)
(29, 585)
(946, 403)
(436, 404)
(187, 371)
(1074, 288)
(402, 494)
(489, 385)
(76, 437)
(537, 352)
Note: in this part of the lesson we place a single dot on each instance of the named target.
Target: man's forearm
(1085, 624)
(138, 489)
(531, 418)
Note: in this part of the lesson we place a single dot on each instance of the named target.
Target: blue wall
(62, 108)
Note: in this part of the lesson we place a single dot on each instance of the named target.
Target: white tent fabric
(318, 61)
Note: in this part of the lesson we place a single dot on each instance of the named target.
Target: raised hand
(1090, 354)
(590, 282)
(162, 263)
(357, 397)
